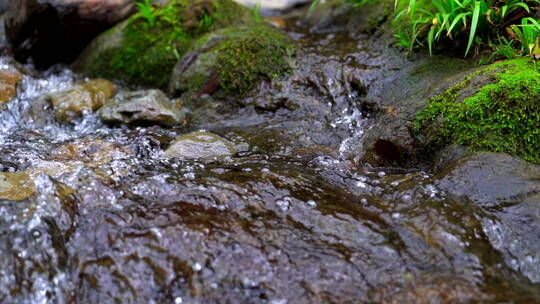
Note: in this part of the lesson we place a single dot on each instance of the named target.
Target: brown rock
(8, 84)
(86, 97)
(15, 186)
(54, 31)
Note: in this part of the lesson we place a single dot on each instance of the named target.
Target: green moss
(502, 116)
(149, 52)
(250, 52)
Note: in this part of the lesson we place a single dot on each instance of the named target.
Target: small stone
(16, 186)
(8, 84)
(86, 97)
(141, 107)
(200, 145)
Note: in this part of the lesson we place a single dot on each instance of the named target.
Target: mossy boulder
(144, 49)
(234, 59)
(493, 109)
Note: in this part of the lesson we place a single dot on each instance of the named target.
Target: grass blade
(474, 25)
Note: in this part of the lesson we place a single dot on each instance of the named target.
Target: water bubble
(361, 184)
(283, 204)
(381, 174)
(178, 300)
(197, 267)
(189, 175)
(312, 203)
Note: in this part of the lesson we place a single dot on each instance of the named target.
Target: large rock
(53, 31)
(151, 106)
(144, 52)
(507, 190)
(235, 59)
(491, 179)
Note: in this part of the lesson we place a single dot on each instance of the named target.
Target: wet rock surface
(9, 79)
(294, 217)
(491, 179)
(150, 106)
(15, 185)
(200, 145)
(87, 97)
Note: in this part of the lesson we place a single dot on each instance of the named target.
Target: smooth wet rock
(491, 179)
(15, 186)
(92, 152)
(53, 31)
(507, 189)
(200, 145)
(9, 80)
(84, 98)
(141, 107)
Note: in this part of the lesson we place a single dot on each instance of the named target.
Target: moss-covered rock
(144, 49)
(234, 59)
(494, 109)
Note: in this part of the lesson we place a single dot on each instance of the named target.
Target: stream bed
(292, 217)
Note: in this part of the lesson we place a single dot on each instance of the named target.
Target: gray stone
(200, 145)
(141, 107)
(491, 179)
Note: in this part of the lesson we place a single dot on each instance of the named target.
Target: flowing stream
(289, 219)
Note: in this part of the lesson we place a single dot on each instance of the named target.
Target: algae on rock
(494, 109)
(236, 57)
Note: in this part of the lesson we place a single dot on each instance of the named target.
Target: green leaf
(430, 39)
(474, 25)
